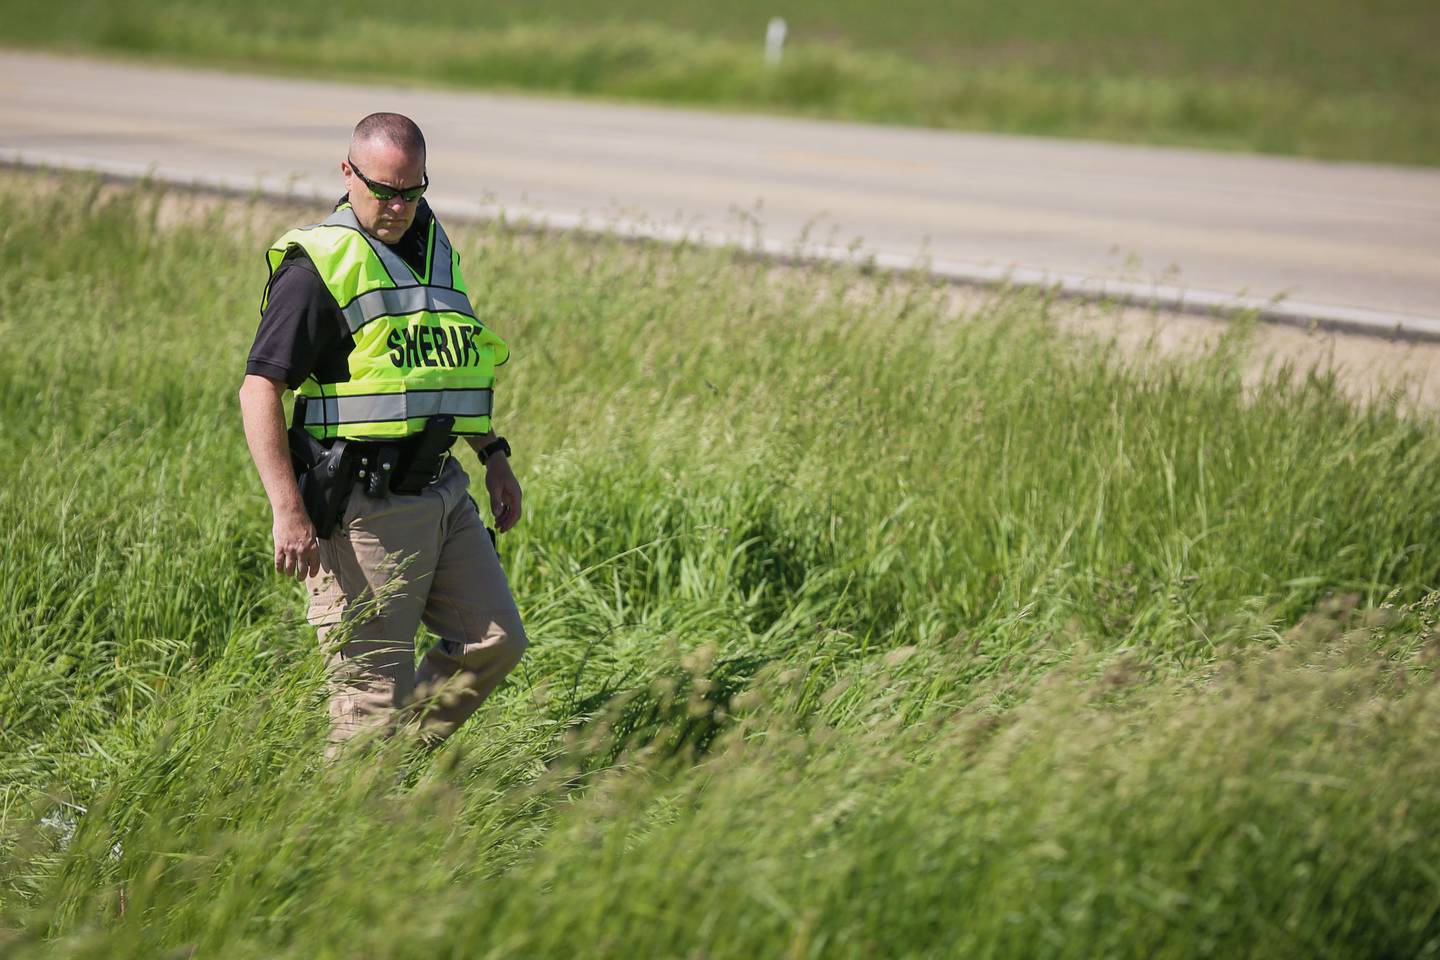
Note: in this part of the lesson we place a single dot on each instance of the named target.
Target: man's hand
(297, 554)
(504, 492)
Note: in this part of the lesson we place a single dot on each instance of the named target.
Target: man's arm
(296, 551)
(501, 483)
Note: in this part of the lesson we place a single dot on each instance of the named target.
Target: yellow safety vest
(419, 349)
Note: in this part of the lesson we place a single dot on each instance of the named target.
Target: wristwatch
(498, 445)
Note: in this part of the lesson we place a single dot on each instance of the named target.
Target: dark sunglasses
(384, 194)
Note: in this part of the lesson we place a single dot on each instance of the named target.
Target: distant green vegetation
(859, 629)
(1329, 79)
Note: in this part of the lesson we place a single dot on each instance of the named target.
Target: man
(367, 318)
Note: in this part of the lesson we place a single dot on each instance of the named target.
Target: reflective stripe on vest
(389, 407)
(419, 349)
(398, 302)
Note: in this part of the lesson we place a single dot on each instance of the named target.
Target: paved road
(1337, 240)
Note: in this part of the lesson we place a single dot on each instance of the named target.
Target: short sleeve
(300, 328)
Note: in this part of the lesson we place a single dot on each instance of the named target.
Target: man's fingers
(306, 561)
(507, 514)
(508, 518)
(509, 509)
(298, 560)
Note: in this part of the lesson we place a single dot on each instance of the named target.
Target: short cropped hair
(391, 128)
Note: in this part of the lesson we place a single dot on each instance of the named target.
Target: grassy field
(858, 629)
(1326, 79)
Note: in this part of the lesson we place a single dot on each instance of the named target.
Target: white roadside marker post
(774, 40)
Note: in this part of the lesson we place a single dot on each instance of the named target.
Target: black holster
(325, 475)
(425, 458)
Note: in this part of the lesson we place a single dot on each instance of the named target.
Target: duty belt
(407, 466)
(326, 472)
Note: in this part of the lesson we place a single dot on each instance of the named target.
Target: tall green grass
(859, 628)
(1325, 79)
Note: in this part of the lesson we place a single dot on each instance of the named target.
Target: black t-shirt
(302, 330)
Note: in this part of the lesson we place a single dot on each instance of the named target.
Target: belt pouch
(377, 466)
(427, 456)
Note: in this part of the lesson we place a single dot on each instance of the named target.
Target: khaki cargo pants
(392, 563)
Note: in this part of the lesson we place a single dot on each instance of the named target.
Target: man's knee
(512, 641)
